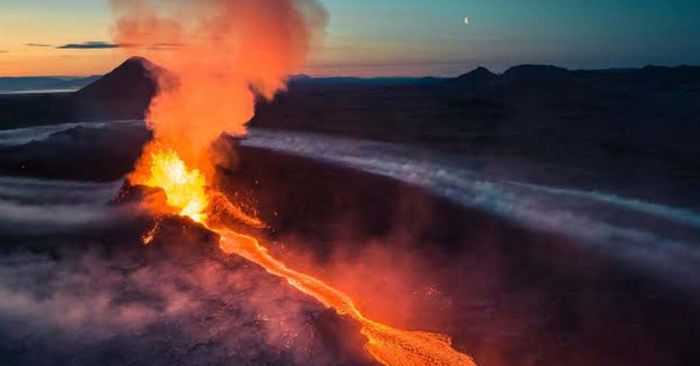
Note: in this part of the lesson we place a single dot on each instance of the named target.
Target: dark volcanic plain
(508, 295)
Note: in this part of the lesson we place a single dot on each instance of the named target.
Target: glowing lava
(185, 188)
(387, 345)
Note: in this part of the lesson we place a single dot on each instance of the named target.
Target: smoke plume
(220, 55)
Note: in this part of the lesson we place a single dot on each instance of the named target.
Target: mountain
(124, 93)
(473, 79)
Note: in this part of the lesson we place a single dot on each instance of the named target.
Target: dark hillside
(124, 93)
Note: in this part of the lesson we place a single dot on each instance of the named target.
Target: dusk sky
(393, 37)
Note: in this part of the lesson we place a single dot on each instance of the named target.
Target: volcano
(124, 93)
(518, 257)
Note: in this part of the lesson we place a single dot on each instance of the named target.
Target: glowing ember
(150, 235)
(387, 345)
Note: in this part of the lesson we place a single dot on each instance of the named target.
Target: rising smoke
(220, 54)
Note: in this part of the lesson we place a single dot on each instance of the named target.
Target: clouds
(88, 45)
(91, 45)
(102, 45)
(35, 207)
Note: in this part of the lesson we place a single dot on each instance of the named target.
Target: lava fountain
(219, 56)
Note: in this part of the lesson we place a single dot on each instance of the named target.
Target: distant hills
(639, 125)
(655, 76)
(133, 75)
(473, 79)
(477, 109)
(40, 83)
(348, 80)
(478, 96)
(123, 93)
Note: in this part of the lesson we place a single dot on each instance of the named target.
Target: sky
(394, 37)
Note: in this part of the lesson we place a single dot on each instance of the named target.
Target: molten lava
(185, 188)
(187, 192)
(389, 346)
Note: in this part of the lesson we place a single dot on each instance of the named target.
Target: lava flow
(186, 191)
(220, 57)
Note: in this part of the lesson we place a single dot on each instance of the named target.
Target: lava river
(186, 192)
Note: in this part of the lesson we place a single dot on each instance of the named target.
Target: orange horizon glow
(86, 63)
(32, 65)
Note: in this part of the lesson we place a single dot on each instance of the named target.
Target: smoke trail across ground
(86, 308)
(25, 135)
(37, 207)
(219, 55)
(647, 231)
(652, 235)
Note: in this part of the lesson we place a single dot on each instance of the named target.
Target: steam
(626, 233)
(37, 207)
(79, 308)
(222, 54)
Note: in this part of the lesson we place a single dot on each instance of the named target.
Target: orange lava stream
(389, 346)
(186, 191)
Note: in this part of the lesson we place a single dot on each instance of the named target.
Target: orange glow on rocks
(387, 345)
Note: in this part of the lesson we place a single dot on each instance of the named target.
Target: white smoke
(616, 225)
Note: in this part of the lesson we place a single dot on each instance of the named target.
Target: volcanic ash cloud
(219, 56)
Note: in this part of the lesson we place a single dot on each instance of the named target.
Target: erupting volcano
(388, 345)
(246, 182)
(219, 56)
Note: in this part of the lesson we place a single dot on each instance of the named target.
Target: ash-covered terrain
(473, 204)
